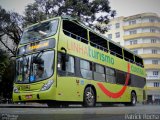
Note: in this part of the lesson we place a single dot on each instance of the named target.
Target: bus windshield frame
(35, 67)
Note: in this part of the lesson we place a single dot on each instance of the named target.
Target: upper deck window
(98, 42)
(115, 50)
(75, 31)
(139, 61)
(128, 56)
(39, 31)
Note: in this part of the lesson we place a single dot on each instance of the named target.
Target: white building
(141, 34)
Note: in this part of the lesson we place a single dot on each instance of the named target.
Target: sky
(123, 7)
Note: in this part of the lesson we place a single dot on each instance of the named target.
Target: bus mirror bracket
(66, 57)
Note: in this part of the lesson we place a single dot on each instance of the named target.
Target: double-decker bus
(61, 61)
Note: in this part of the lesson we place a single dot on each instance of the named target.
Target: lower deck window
(86, 69)
(110, 75)
(99, 73)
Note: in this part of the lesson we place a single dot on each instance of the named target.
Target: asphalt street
(116, 112)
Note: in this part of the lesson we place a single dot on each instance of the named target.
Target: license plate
(28, 96)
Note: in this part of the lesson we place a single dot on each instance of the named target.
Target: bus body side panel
(70, 88)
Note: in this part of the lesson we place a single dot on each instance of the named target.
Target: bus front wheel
(89, 99)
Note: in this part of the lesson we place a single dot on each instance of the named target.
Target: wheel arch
(133, 91)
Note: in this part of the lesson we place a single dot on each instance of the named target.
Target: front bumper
(34, 96)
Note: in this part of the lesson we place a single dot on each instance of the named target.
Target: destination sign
(36, 46)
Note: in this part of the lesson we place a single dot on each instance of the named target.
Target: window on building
(135, 52)
(117, 25)
(109, 27)
(86, 69)
(154, 51)
(110, 36)
(156, 84)
(135, 42)
(132, 42)
(152, 30)
(155, 72)
(131, 32)
(117, 34)
(154, 61)
(132, 22)
(152, 20)
(153, 40)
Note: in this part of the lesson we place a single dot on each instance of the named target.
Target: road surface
(117, 112)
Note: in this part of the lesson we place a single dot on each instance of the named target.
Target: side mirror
(65, 56)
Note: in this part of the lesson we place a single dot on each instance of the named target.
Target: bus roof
(83, 25)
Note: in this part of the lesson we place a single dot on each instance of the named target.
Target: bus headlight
(15, 89)
(47, 85)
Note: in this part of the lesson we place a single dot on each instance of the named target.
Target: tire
(65, 105)
(107, 104)
(133, 100)
(89, 99)
(52, 104)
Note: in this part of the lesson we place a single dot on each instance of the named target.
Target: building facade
(141, 34)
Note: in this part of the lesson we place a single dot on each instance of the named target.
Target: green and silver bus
(60, 61)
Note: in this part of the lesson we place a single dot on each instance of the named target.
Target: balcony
(141, 25)
(152, 66)
(143, 45)
(152, 88)
(153, 77)
(140, 35)
(141, 16)
(150, 55)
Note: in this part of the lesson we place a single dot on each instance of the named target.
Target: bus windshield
(39, 31)
(35, 67)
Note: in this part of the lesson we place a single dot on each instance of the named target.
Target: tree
(6, 75)
(4, 61)
(10, 25)
(86, 11)
(6, 85)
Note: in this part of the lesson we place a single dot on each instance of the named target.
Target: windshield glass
(35, 67)
(39, 31)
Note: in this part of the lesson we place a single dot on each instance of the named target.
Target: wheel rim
(133, 100)
(90, 97)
